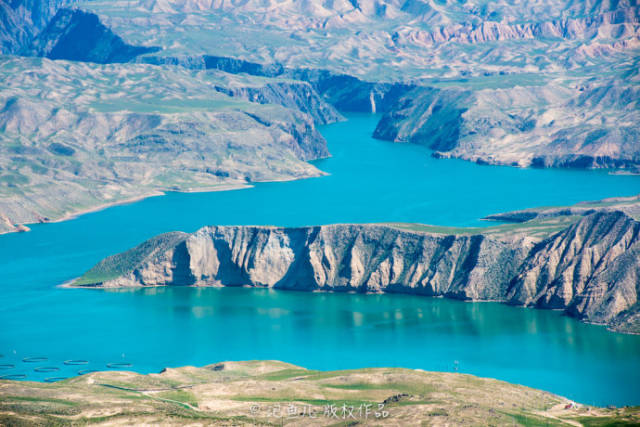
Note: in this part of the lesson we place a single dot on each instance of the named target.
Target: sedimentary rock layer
(590, 270)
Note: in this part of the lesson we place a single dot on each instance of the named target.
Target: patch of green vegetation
(438, 412)
(38, 408)
(168, 106)
(404, 387)
(13, 179)
(613, 421)
(319, 375)
(120, 264)
(179, 396)
(543, 227)
(496, 81)
(41, 400)
(312, 402)
(16, 421)
(529, 420)
(37, 169)
(286, 374)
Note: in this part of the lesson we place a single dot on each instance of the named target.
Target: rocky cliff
(590, 270)
(342, 91)
(577, 123)
(296, 95)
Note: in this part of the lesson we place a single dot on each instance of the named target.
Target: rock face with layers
(292, 94)
(590, 270)
(337, 257)
(544, 83)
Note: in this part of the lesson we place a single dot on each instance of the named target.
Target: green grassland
(276, 393)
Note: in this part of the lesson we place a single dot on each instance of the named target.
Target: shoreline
(24, 227)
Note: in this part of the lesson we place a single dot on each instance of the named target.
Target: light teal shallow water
(370, 181)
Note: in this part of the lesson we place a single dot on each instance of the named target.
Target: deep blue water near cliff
(370, 181)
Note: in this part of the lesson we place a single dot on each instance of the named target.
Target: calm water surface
(369, 181)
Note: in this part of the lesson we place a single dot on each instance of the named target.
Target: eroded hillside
(77, 136)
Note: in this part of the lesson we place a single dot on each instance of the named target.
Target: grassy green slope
(276, 393)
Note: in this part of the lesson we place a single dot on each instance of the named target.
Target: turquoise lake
(368, 181)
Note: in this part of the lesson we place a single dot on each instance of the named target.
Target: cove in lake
(369, 181)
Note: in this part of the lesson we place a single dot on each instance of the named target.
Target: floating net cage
(54, 379)
(47, 369)
(118, 365)
(34, 359)
(43, 369)
(76, 362)
(13, 377)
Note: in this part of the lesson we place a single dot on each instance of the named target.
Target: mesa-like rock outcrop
(365, 258)
(590, 270)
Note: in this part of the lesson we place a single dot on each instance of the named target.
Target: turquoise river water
(368, 181)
